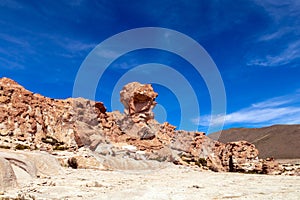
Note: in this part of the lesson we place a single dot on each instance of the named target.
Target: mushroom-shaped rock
(138, 100)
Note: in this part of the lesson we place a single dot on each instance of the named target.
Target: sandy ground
(290, 161)
(170, 182)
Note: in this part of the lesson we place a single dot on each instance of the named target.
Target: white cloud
(67, 43)
(107, 53)
(278, 110)
(291, 53)
(73, 45)
(275, 35)
(285, 17)
(205, 120)
(280, 9)
(10, 64)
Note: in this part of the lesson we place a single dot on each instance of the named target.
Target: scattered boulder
(240, 156)
(270, 166)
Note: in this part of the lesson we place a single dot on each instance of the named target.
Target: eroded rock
(138, 100)
(17, 166)
(7, 176)
(31, 121)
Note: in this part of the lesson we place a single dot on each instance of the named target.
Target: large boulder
(7, 176)
(240, 156)
(17, 166)
(138, 100)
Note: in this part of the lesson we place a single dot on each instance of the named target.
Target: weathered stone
(31, 121)
(85, 162)
(38, 122)
(138, 100)
(7, 176)
(17, 166)
(270, 166)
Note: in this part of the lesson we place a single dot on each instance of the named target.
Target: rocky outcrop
(181, 147)
(291, 168)
(31, 121)
(239, 157)
(270, 166)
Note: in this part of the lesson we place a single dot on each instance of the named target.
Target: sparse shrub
(72, 162)
(21, 147)
(60, 148)
(50, 140)
(201, 162)
(4, 147)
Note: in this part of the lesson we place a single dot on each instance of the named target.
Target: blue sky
(254, 44)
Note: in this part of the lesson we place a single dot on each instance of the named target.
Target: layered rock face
(31, 121)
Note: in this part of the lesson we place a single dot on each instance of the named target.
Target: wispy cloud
(278, 110)
(107, 53)
(69, 44)
(12, 65)
(275, 35)
(282, 34)
(73, 46)
(15, 40)
(280, 9)
(288, 55)
(206, 120)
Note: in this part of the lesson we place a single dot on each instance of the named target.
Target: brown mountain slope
(277, 141)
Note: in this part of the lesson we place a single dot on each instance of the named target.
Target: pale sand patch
(172, 182)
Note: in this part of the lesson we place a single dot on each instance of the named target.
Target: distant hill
(277, 141)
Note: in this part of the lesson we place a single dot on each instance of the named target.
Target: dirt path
(172, 182)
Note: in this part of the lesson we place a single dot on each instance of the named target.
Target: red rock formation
(31, 121)
(138, 101)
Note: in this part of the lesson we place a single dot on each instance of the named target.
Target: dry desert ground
(168, 182)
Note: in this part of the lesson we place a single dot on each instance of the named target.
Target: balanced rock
(138, 100)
